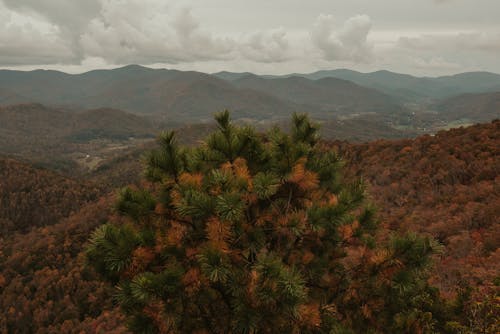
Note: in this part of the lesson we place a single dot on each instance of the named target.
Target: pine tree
(259, 233)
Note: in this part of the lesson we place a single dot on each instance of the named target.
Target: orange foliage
(218, 233)
(446, 186)
(193, 180)
(305, 179)
(310, 315)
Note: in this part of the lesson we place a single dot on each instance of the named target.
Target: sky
(419, 37)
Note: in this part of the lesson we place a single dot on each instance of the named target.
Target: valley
(75, 123)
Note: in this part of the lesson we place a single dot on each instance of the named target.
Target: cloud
(101, 33)
(30, 41)
(434, 63)
(266, 46)
(131, 31)
(70, 17)
(150, 33)
(346, 43)
(470, 41)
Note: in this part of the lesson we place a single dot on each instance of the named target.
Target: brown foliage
(447, 186)
(31, 197)
(44, 285)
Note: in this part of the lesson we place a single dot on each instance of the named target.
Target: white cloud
(267, 46)
(346, 43)
(150, 33)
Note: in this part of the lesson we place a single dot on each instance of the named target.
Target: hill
(32, 197)
(175, 98)
(446, 186)
(69, 141)
(76, 142)
(169, 94)
(45, 286)
(186, 97)
(330, 96)
(476, 107)
(409, 88)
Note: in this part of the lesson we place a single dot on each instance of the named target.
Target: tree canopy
(259, 233)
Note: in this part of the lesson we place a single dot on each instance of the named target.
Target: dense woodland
(32, 197)
(445, 186)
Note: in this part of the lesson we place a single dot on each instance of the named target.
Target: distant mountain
(410, 88)
(231, 76)
(171, 94)
(187, 97)
(477, 107)
(327, 95)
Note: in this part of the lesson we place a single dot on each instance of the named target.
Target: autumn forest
(440, 192)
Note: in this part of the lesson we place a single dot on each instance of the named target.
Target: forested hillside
(44, 284)
(33, 197)
(445, 186)
(477, 107)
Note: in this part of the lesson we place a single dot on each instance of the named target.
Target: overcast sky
(422, 37)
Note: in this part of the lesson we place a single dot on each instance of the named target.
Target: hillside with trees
(443, 186)
(472, 107)
(33, 197)
(72, 142)
(45, 286)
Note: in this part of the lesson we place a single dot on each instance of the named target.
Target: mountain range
(186, 96)
(409, 88)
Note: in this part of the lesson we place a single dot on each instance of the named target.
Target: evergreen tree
(252, 233)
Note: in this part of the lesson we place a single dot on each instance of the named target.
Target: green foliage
(136, 204)
(111, 248)
(254, 233)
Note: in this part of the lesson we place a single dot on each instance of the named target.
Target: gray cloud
(71, 17)
(150, 33)
(349, 42)
(267, 46)
(31, 42)
(470, 41)
(436, 36)
(434, 63)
